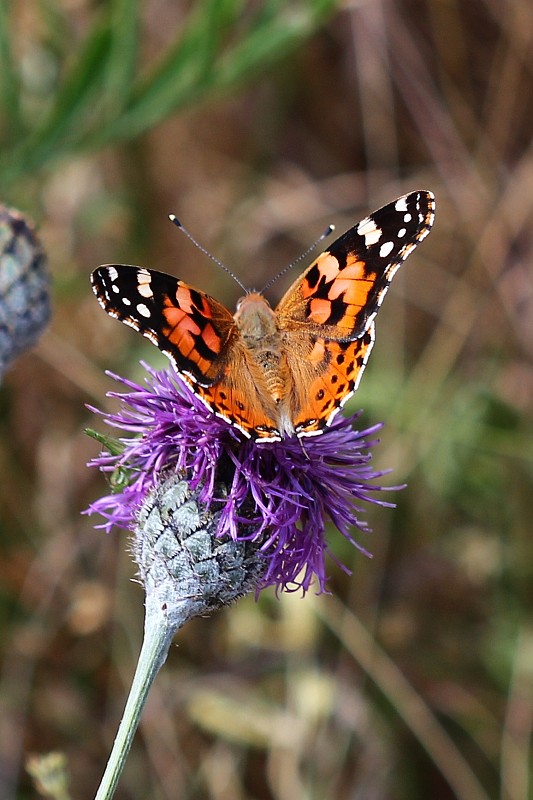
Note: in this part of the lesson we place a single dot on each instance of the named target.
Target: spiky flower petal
(278, 495)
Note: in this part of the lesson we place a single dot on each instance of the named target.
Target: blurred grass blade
(197, 64)
(271, 40)
(177, 78)
(9, 80)
(222, 44)
(215, 23)
(64, 126)
(416, 714)
(123, 53)
(98, 86)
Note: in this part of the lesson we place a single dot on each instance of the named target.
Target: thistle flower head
(185, 567)
(276, 495)
(24, 286)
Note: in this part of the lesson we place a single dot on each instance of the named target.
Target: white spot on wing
(401, 204)
(385, 249)
(145, 290)
(368, 228)
(401, 233)
(407, 217)
(112, 272)
(143, 310)
(144, 280)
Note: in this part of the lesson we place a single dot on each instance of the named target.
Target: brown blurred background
(414, 678)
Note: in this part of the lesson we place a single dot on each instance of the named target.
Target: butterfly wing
(329, 311)
(237, 397)
(193, 329)
(199, 336)
(330, 376)
(339, 295)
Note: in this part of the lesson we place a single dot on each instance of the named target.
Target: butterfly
(276, 373)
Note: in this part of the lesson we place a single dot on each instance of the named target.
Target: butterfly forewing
(340, 293)
(193, 329)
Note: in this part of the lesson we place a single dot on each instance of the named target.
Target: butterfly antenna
(177, 223)
(329, 230)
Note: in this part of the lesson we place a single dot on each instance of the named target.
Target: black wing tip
(427, 192)
(96, 277)
(429, 197)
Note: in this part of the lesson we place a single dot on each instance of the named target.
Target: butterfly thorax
(258, 327)
(254, 317)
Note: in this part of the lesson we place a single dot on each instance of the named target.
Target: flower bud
(184, 566)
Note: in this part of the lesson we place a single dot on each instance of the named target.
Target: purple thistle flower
(278, 495)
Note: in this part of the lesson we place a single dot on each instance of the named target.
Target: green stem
(158, 633)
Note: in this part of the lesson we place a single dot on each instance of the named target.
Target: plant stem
(158, 633)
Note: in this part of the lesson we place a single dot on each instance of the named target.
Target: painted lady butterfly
(283, 372)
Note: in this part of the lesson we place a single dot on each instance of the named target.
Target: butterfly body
(280, 372)
(263, 342)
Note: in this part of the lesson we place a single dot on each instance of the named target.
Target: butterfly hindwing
(335, 378)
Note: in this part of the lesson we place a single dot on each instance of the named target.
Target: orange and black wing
(193, 329)
(339, 295)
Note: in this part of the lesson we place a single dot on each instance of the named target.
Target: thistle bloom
(216, 515)
(278, 495)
